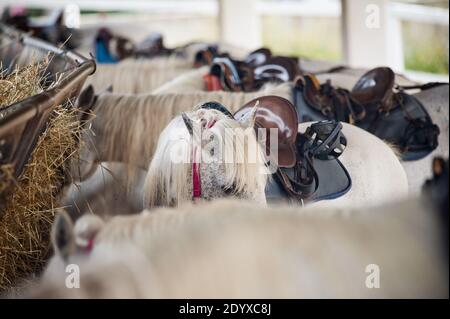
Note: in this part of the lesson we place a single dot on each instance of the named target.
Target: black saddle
(251, 74)
(374, 104)
(308, 168)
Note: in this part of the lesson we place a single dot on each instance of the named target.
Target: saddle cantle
(278, 113)
(302, 159)
(374, 104)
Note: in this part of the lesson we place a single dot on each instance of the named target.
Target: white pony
(205, 154)
(377, 174)
(234, 249)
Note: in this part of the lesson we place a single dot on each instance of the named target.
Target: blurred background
(412, 37)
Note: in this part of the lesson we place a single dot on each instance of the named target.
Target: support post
(240, 24)
(371, 36)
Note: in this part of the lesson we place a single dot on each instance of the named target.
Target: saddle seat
(376, 87)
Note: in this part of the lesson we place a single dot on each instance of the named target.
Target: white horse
(234, 249)
(377, 174)
(204, 154)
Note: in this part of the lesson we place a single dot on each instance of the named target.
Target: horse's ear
(60, 19)
(86, 99)
(248, 120)
(109, 89)
(188, 122)
(62, 235)
(86, 102)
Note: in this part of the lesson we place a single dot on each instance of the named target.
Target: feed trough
(35, 134)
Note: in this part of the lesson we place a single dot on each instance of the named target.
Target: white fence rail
(307, 8)
(185, 6)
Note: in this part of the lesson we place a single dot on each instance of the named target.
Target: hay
(27, 213)
(20, 84)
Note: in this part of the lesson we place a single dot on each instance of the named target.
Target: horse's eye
(211, 138)
(211, 152)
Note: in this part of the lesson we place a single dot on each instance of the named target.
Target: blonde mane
(138, 76)
(169, 183)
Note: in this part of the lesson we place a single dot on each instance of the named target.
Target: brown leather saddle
(302, 160)
(375, 104)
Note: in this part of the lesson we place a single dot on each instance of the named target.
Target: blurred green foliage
(426, 46)
(318, 38)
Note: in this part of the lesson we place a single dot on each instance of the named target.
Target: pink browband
(196, 181)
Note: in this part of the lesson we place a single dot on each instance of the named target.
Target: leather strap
(322, 140)
(421, 87)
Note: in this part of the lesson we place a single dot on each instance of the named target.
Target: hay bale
(27, 213)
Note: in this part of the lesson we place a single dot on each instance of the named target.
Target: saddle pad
(392, 127)
(334, 181)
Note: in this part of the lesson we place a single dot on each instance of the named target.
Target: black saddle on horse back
(372, 105)
(408, 126)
